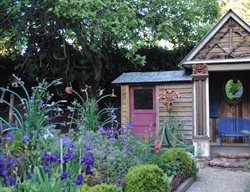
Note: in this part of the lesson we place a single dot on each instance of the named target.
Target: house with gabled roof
(207, 73)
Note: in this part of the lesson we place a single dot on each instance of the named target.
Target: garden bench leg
(221, 138)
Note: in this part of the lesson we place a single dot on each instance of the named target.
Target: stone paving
(220, 180)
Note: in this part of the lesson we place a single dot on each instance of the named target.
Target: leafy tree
(81, 38)
(240, 7)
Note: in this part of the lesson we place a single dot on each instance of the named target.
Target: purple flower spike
(88, 159)
(46, 168)
(79, 179)
(25, 137)
(64, 175)
(9, 136)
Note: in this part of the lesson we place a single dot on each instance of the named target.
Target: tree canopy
(240, 7)
(85, 39)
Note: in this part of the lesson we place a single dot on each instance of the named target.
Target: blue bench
(233, 127)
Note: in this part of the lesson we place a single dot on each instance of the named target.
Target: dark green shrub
(146, 178)
(176, 160)
(104, 188)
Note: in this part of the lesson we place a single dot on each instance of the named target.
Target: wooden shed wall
(182, 107)
(125, 116)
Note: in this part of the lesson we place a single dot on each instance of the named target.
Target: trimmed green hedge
(146, 178)
(176, 160)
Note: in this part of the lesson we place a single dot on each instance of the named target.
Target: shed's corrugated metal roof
(152, 77)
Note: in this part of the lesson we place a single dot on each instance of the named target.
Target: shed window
(234, 90)
(143, 99)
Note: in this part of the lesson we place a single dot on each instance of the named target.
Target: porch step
(231, 161)
(233, 156)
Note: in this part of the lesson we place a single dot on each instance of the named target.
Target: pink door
(142, 110)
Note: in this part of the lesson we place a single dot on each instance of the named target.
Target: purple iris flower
(79, 179)
(64, 175)
(40, 105)
(9, 136)
(46, 168)
(69, 155)
(54, 158)
(25, 137)
(88, 159)
(46, 156)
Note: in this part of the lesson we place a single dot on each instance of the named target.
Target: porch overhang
(222, 65)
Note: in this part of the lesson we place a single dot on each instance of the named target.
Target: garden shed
(213, 82)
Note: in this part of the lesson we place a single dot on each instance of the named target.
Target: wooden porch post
(201, 110)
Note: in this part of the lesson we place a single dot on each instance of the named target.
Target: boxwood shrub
(145, 178)
(101, 188)
(176, 160)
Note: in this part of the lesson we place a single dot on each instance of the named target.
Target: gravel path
(220, 180)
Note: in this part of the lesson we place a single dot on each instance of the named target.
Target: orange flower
(157, 145)
(69, 90)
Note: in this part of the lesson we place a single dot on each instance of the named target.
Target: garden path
(220, 180)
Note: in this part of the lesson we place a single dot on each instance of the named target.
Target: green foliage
(33, 117)
(87, 114)
(232, 87)
(175, 160)
(145, 178)
(240, 7)
(76, 38)
(104, 188)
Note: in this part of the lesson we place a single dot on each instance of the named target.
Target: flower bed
(95, 155)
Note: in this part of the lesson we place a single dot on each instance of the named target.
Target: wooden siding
(227, 109)
(232, 41)
(182, 107)
(125, 116)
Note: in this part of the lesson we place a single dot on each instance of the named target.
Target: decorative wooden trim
(211, 33)
(199, 69)
(200, 112)
(218, 61)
